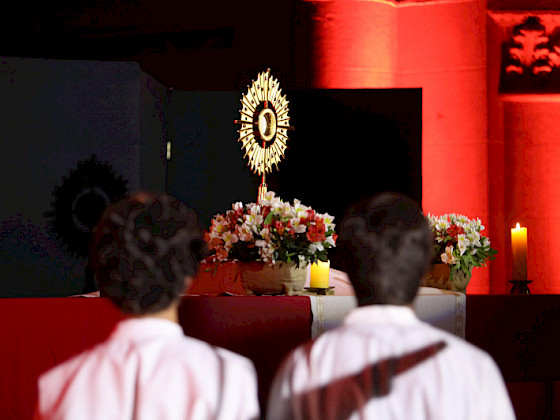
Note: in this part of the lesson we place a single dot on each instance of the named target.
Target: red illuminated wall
(440, 47)
(532, 137)
(524, 157)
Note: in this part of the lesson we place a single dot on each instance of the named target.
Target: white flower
(299, 212)
(270, 199)
(463, 220)
(316, 246)
(283, 209)
(442, 224)
(253, 221)
(474, 238)
(462, 243)
(330, 241)
(298, 227)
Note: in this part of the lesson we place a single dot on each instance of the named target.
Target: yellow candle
(319, 278)
(519, 252)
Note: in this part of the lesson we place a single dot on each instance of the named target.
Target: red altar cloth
(217, 280)
(38, 333)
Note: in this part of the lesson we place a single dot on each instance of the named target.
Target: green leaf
(215, 269)
(268, 219)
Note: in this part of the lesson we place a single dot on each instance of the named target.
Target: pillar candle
(519, 252)
(319, 278)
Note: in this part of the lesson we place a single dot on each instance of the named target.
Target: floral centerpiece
(459, 244)
(271, 231)
(272, 241)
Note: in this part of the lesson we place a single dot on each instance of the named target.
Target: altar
(441, 308)
(39, 333)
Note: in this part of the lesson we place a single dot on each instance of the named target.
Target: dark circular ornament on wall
(80, 201)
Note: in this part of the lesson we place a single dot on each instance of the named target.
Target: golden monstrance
(264, 125)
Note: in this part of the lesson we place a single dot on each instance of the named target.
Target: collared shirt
(384, 363)
(148, 369)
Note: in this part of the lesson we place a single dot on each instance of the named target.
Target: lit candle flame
(517, 226)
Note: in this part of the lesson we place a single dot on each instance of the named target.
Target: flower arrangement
(459, 244)
(271, 231)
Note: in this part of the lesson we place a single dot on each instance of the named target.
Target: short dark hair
(385, 244)
(143, 248)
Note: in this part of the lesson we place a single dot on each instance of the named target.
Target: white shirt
(458, 381)
(148, 369)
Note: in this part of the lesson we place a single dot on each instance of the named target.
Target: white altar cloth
(441, 308)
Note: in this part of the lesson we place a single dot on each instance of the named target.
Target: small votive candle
(319, 278)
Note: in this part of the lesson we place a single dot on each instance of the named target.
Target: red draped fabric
(219, 279)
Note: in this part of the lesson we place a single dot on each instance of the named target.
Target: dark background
(345, 144)
(349, 143)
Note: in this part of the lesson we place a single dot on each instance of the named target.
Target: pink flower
(447, 257)
(244, 233)
(230, 238)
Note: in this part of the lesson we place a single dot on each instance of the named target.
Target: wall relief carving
(530, 54)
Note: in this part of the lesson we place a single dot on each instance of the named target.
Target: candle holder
(520, 287)
(322, 291)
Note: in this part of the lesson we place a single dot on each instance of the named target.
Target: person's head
(145, 249)
(385, 244)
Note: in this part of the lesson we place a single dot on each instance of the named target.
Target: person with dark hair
(383, 362)
(145, 253)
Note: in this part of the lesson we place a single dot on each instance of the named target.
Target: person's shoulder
(203, 350)
(234, 359)
(66, 374)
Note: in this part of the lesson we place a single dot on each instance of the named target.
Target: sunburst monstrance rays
(264, 123)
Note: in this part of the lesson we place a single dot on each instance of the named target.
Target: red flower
(455, 230)
(280, 227)
(237, 214)
(321, 228)
(316, 233)
(265, 211)
(213, 243)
